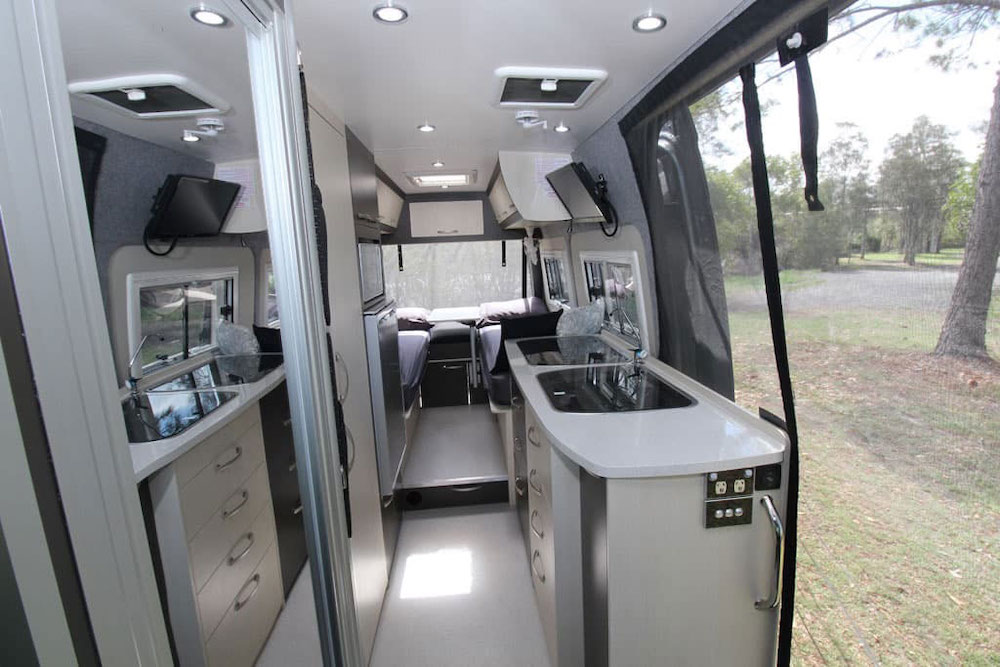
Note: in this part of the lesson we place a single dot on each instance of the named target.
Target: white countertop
(148, 457)
(714, 434)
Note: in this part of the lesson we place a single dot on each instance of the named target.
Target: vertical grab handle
(779, 556)
(342, 394)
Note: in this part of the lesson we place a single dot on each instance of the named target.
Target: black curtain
(90, 150)
(694, 327)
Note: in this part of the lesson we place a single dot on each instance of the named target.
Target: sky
(882, 95)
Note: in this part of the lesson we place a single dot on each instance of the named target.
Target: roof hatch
(151, 96)
(547, 87)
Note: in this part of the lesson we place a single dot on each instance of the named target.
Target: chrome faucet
(133, 382)
(639, 353)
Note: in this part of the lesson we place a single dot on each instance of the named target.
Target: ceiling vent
(547, 87)
(151, 96)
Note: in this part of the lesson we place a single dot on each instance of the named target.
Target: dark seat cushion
(450, 332)
(532, 326)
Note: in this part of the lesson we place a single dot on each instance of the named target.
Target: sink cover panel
(569, 351)
(603, 389)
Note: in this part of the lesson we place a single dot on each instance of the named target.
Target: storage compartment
(446, 218)
(390, 205)
(445, 383)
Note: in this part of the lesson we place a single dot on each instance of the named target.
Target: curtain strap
(808, 131)
(769, 256)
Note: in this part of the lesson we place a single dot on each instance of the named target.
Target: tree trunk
(964, 330)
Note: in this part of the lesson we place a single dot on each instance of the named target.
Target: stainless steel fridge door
(382, 333)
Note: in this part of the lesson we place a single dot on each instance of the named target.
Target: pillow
(413, 319)
(494, 311)
(531, 326)
(581, 321)
(269, 339)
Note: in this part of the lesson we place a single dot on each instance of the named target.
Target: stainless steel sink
(603, 389)
(569, 351)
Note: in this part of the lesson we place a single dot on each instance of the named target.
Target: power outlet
(739, 486)
(720, 488)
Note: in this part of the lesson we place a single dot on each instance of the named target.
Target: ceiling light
(445, 187)
(562, 127)
(389, 13)
(438, 180)
(208, 16)
(190, 137)
(437, 164)
(426, 127)
(649, 22)
(549, 85)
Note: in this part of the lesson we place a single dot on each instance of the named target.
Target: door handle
(351, 447)
(779, 556)
(342, 395)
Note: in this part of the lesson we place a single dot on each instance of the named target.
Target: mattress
(413, 346)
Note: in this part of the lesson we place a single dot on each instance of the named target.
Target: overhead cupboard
(446, 218)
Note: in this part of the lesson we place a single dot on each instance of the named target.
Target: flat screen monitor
(574, 187)
(189, 206)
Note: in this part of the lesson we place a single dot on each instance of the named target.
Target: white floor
(460, 594)
(452, 445)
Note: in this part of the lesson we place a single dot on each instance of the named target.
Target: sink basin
(169, 408)
(602, 389)
(569, 351)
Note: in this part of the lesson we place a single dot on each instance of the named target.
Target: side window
(594, 274)
(271, 315)
(613, 276)
(557, 287)
(177, 316)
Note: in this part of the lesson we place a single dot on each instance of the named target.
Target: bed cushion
(533, 326)
(413, 319)
(450, 332)
(413, 346)
(493, 312)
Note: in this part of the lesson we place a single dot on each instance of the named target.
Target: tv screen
(191, 206)
(574, 186)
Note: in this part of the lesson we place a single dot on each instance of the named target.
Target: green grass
(947, 257)
(899, 521)
(791, 280)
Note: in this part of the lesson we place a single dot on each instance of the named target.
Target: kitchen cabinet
(446, 218)
(332, 155)
(361, 173)
(500, 200)
(215, 530)
(390, 206)
(282, 471)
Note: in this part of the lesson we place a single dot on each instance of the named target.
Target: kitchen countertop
(711, 435)
(148, 457)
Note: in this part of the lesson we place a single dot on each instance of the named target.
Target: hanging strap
(808, 131)
(772, 283)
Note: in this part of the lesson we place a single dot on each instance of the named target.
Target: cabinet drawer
(445, 383)
(238, 564)
(189, 465)
(248, 619)
(220, 479)
(543, 580)
(213, 542)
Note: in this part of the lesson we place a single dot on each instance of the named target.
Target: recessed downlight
(190, 137)
(437, 164)
(649, 22)
(208, 16)
(388, 12)
(561, 127)
(445, 187)
(426, 127)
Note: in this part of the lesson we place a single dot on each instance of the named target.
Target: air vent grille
(152, 96)
(518, 90)
(545, 87)
(159, 99)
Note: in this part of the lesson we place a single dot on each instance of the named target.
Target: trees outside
(846, 184)
(958, 207)
(914, 179)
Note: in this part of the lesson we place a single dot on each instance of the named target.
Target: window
(558, 288)
(614, 276)
(445, 275)
(177, 314)
(271, 299)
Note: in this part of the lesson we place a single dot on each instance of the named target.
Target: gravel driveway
(918, 289)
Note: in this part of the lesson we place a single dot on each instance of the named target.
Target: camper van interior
(435, 333)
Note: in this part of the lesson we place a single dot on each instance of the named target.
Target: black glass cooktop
(569, 351)
(600, 389)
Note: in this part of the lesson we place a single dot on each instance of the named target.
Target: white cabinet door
(446, 218)
(390, 205)
(503, 205)
(351, 362)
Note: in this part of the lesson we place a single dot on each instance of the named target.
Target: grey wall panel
(132, 172)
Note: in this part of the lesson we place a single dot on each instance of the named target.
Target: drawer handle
(232, 560)
(452, 368)
(536, 557)
(352, 447)
(519, 488)
(253, 581)
(342, 395)
(447, 231)
(219, 467)
(531, 432)
(298, 509)
(531, 483)
(540, 534)
(468, 488)
(228, 514)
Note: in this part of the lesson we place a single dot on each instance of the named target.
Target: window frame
(136, 282)
(630, 257)
(569, 292)
(265, 291)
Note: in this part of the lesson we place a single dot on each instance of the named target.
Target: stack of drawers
(541, 529)
(215, 527)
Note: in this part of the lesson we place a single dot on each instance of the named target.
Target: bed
(413, 347)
